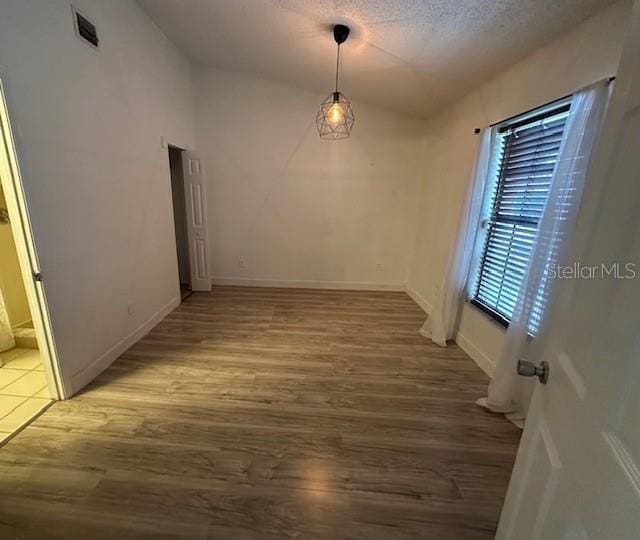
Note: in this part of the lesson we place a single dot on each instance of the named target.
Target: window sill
(489, 313)
(495, 318)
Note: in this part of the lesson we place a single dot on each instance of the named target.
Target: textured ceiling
(411, 56)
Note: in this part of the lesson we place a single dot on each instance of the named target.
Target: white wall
(584, 55)
(296, 209)
(88, 126)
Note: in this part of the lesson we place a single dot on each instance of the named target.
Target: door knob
(529, 369)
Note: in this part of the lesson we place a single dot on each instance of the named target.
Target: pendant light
(335, 117)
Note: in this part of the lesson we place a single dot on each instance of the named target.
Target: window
(523, 157)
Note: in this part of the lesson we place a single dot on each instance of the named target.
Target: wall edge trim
(308, 284)
(484, 362)
(90, 372)
(418, 299)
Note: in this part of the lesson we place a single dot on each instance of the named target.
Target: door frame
(22, 232)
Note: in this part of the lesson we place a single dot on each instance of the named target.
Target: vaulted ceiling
(411, 56)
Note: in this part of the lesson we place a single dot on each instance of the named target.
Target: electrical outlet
(131, 309)
(242, 263)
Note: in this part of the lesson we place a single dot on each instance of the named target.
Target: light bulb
(335, 114)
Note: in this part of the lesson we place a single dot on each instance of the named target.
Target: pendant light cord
(337, 66)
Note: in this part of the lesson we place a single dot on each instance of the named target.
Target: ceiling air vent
(85, 29)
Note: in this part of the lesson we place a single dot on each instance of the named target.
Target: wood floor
(268, 413)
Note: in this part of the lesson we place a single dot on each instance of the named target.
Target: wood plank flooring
(268, 413)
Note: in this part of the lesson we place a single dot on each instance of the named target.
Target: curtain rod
(478, 130)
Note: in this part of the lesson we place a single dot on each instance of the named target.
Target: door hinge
(37, 276)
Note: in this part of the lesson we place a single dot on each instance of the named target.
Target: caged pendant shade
(335, 117)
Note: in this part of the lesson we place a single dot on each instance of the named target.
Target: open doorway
(29, 373)
(180, 221)
(24, 391)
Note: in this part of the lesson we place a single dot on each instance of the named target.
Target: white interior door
(577, 473)
(196, 203)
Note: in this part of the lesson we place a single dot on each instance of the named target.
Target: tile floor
(23, 389)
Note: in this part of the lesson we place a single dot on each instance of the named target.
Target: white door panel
(577, 473)
(197, 231)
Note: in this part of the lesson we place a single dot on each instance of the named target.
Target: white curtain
(7, 340)
(510, 393)
(443, 318)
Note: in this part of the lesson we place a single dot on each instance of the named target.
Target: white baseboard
(308, 284)
(86, 375)
(480, 358)
(418, 299)
(18, 325)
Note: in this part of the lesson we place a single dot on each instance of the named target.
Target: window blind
(528, 151)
